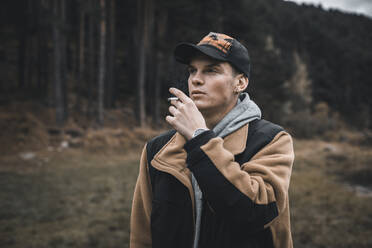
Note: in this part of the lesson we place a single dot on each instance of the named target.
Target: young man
(221, 177)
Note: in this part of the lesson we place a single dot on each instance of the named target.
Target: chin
(202, 105)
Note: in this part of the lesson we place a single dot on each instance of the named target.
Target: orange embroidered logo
(222, 42)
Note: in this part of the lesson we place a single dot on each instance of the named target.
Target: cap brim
(184, 52)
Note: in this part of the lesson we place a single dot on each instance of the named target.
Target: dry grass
(325, 211)
(82, 197)
(77, 199)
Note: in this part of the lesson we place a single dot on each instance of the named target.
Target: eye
(191, 70)
(211, 70)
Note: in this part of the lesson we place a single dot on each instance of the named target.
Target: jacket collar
(236, 141)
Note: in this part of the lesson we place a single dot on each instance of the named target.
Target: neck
(213, 117)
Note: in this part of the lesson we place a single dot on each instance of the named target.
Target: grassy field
(328, 207)
(78, 198)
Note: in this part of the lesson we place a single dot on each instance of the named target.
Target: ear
(241, 83)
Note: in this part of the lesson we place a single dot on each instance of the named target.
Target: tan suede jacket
(262, 178)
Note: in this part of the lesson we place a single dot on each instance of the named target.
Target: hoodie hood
(244, 112)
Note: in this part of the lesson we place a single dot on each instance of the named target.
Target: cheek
(223, 91)
(189, 86)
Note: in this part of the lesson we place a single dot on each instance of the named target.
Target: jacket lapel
(236, 141)
(172, 160)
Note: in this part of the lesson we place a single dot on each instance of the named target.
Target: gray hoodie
(244, 112)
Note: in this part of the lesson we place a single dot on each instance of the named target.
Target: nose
(196, 79)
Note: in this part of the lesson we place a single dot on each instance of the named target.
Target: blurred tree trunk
(21, 58)
(110, 83)
(73, 31)
(141, 103)
(81, 82)
(81, 64)
(28, 47)
(81, 44)
(42, 50)
(101, 67)
(144, 22)
(49, 52)
(64, 49)
(157, 87)
(161, 27)
(22, 38)
(151, 57)
(59, 84)
(91, 85)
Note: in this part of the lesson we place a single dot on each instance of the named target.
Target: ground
(331, 205)
(75, 190)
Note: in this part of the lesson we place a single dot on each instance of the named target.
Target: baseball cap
(218, 46)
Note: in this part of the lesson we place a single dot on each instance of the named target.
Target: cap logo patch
(222, 42)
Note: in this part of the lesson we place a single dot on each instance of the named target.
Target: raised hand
(185, 116)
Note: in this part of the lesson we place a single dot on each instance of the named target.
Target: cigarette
(173, 99)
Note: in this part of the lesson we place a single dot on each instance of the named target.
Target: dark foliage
(335, 47)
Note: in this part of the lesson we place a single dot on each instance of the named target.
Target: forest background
(83, 86)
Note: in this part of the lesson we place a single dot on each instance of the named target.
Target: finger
(178, 93)
(169, 119)
(177, 104)
(173, 110)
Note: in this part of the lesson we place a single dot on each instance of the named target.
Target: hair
(235, 71)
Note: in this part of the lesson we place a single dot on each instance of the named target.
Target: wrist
(199, 131)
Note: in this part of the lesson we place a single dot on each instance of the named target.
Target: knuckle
(189, 103)
(169, 119)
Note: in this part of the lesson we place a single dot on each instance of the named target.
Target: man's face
(211, 84)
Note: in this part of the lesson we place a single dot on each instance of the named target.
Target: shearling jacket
(244, 178)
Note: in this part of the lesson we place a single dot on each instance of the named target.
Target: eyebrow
(217, 64)
(214, 64)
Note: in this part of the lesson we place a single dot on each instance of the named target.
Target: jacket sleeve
(251, 194)
(140, 231)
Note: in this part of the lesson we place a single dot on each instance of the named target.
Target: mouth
(197, 92)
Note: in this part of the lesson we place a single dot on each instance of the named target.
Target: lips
(197, 92)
